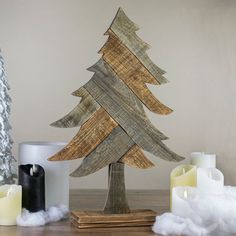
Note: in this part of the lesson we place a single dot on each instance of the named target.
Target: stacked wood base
(97, 219)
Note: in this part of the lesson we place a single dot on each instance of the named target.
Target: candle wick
(9, 191)
(210, 174)
(34, 168)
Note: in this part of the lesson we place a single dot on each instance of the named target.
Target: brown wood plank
(136, 158)
(126, 63)
(110, 150)
(81, 113)
(112, 225)
(91, 134)
(132, 72)
(105, 91)
(125, 29)
(97, 217)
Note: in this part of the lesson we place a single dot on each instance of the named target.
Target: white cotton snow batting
(53, 214)
(213, 215)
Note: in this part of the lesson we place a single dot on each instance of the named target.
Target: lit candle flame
(184, 171)
(33, 170)
(185, 194)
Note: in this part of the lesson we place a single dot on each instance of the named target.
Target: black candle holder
(32, 180)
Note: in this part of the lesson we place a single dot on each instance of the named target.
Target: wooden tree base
(97, 219)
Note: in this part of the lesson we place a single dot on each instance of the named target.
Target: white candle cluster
(207, 209)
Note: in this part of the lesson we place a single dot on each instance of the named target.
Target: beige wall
(48, 45)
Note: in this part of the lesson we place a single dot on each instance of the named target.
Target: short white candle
(203, 160)
(181, 196)
(10, 204)
(210, 180)
(56, 173)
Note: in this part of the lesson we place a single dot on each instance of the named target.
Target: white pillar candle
(10, 204)
(203, 160)
(210, 181)
(181, 196)
(56, 173)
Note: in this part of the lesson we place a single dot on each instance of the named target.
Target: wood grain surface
(136, 158)
(91, 134)
(97, 219)
(106, 90)
(109, 151)
(125, 29)
(81, 113)
(132, 72)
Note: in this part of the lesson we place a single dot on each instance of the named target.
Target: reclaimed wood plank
(132, 72)
(109, 151)
(128, 95)
(136, 158)
(113, 89)
(91, 134)
(125, 29)
(116, 202)
(126, 62)
(103, 89)
(112, 225)
(81, 113)
(97, 219)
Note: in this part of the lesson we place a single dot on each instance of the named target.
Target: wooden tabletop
(157, 200)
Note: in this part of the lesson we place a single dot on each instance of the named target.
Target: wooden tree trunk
(116, 202)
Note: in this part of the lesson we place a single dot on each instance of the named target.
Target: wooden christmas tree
(114, 127)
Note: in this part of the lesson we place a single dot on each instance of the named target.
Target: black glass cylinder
(33, 187)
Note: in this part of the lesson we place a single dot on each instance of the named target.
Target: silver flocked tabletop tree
(7, 175)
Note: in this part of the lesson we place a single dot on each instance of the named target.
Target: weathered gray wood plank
(81, 113)
(129, 97)
(144, 134)
(125, 29)
(107, 152)
(116, 202)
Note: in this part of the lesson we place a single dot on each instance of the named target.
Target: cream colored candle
(10, 204)
(183, 175)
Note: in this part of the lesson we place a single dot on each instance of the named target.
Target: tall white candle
(10, 204)
(210, 181)
(56, 173)
(181, 195)
(203, 160)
